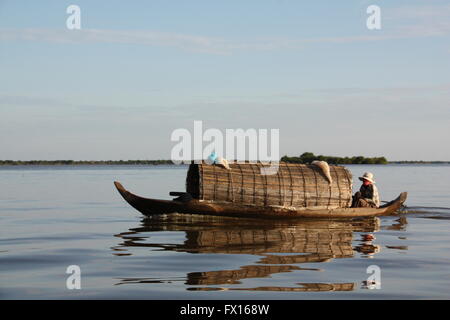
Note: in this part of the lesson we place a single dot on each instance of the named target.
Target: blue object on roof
(212, 157)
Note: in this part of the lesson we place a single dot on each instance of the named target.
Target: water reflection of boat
(280, 247)
(302, 287)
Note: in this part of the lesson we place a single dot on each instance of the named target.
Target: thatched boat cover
(294, 185)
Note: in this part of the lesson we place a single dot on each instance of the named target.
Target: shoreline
(4, 163)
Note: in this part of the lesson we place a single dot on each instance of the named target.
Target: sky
(138, 70)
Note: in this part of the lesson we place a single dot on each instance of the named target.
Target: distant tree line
(308, 157)
(84, 162)
(419, 162)
(305, 158)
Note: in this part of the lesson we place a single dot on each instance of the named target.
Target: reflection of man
(367, 247)
(367, 196)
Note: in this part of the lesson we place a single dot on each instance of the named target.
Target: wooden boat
(151, 207)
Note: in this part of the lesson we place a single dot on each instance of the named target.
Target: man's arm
(376, 197)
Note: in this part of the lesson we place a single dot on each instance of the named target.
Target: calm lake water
(53, 217)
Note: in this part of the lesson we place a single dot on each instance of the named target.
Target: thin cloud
(145, 37)
(185, 42)
(421, 20)
(421, 11)
(406, 22)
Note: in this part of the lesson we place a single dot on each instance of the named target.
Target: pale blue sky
(138, 70)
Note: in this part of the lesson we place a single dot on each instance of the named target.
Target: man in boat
(367, 196)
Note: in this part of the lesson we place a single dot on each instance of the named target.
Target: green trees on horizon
(84, 162)
(308, 157)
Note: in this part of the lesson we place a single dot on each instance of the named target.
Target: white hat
(367, 176)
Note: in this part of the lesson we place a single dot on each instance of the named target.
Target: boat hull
(151, 207)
